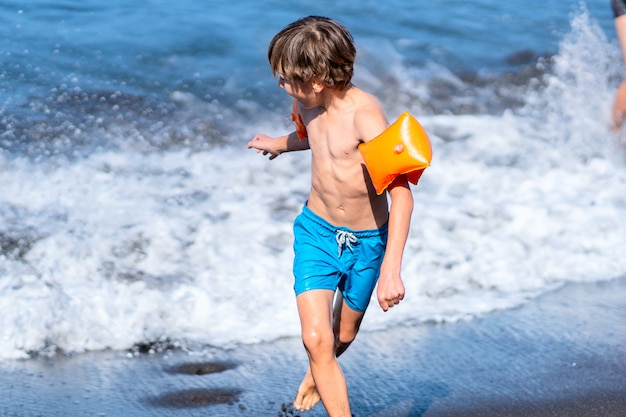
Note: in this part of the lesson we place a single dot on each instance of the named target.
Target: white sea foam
(124, 247)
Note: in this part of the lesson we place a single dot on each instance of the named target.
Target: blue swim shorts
(330, 258)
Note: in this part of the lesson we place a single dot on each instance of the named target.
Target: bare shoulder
(369, 118)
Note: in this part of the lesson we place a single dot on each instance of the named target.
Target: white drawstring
(343, 237)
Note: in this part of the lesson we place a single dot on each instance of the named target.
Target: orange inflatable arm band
(402, 149)
(297, 120)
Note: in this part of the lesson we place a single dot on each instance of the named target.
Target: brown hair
(313, 46)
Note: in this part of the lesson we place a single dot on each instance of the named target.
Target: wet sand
(563, 354)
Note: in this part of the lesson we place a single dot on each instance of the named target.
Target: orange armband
(402, 149)
(297, 120)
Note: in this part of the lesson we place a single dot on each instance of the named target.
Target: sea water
(132, 214)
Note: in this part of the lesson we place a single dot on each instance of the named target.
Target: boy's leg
(324, 378)
(346, 324)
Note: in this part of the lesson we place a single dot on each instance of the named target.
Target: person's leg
(324, 379)
(355, 291)
(346, 323)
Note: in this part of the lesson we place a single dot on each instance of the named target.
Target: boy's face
(306, 93)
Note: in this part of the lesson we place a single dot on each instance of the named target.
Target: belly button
(341, 208)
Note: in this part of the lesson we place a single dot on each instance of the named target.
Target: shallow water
(561, 355)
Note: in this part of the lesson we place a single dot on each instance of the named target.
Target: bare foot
(307, 395)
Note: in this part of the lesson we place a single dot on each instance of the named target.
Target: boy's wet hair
(314, 46)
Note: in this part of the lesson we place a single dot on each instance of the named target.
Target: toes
(297, 403)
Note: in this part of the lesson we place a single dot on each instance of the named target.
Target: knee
(346, 331)
(316, 341)
(346, 336)
(343, 341)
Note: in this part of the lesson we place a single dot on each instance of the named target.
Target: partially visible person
(619, 103)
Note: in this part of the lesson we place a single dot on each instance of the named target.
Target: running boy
(346, 238)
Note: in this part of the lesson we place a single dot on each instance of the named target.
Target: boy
(346, 238)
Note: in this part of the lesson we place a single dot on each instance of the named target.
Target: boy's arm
(390, 287)
(619, 102)
(370, 122)
(276, 146)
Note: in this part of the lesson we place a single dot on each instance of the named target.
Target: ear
(317, 85)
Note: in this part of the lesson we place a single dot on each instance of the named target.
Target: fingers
(256, 138)
(251, 143)
(390, 294)
(388, 303)
(393, 302)
(261, 143)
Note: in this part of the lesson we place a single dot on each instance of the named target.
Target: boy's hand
(265, 144)
(390, 289)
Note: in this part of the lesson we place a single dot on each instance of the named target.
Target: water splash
(572, 111)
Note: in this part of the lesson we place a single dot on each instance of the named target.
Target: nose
(281, 82)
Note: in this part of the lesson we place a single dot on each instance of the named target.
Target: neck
(332, 98)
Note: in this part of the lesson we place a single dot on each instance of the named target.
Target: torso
(341, 191)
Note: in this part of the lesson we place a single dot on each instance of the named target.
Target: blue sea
(132, 215)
